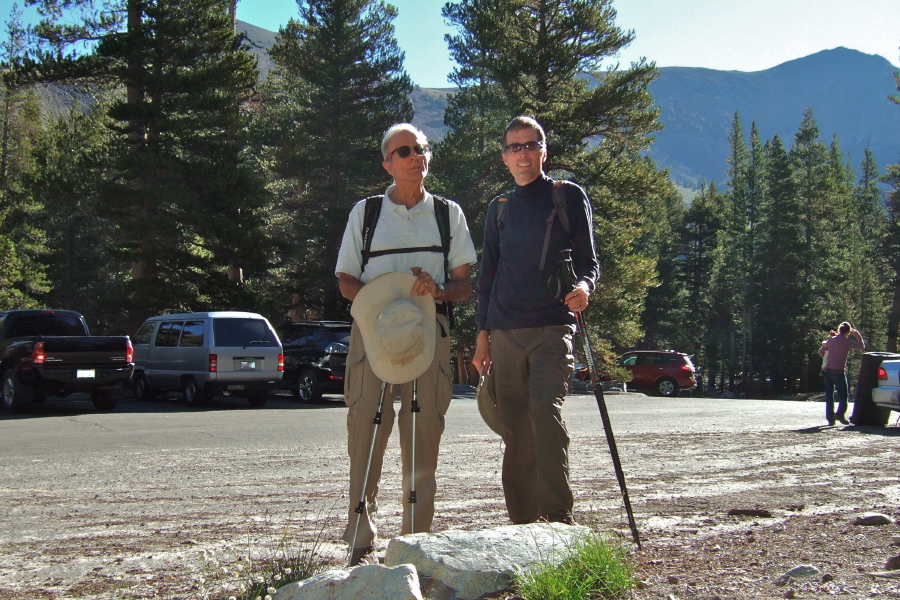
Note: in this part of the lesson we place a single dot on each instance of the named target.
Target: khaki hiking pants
(530, 369)
(362, 389)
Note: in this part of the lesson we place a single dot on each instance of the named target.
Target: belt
(442, 308)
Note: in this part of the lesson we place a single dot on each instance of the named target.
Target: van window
(243, 333)
(168, 334)
(143, 334)
(192, 336)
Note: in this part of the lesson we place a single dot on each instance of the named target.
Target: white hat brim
(369, 302)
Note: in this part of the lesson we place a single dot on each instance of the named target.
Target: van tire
(140, 388)
(193, 395)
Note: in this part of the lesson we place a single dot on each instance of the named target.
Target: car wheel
(142, 391)
(103, 400)
(14, 394)
(306, 388)
(192, 393)
(258, 399)
(667, 387)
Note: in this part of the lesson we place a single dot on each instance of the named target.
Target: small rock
(672, 580)
(797, 573)
(827, 577)
(873, 519)
(892, 564)
(790, 594)
(895, 540)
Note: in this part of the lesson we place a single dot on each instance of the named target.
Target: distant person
(834, 350)
(406, 239)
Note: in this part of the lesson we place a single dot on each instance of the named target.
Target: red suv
(665, 372)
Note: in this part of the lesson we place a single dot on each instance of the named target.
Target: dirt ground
(723, 511)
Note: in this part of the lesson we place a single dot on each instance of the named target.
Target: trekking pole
(412, 492)
(361, 507)
(567, 281)
(607, 426)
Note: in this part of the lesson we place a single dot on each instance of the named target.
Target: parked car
(887, 393)
(52, 353)
(207, 353)
(315, 355)
(664, 372)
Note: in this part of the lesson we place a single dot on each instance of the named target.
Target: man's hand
(424, 284)
(577, 299)
(482, 359)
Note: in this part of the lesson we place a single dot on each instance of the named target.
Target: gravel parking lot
(159, 500)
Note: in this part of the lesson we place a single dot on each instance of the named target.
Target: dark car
(664, 372)
(315, 354)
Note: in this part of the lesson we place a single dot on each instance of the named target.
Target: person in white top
(406, 239)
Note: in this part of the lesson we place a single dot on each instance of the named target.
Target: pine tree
(891, 245)
(186, 205)
(543, 58)
(700, 231)
(340, 77)
(69, 163)
(22, 240)
(780, 292)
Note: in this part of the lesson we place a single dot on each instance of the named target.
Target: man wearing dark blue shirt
(525, 331)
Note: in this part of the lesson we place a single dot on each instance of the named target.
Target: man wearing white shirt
(406, 239)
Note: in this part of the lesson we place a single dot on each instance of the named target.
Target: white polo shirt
(399, 227)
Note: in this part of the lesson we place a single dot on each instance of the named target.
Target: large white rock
(365, 582)
(464, 565)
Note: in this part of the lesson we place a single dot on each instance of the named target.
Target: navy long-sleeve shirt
(512, 291)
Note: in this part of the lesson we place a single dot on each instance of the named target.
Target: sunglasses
(527, 146)
(403, 151)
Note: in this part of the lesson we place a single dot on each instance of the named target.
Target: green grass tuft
(593, 570)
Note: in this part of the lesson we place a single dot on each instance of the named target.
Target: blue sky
(740, 35)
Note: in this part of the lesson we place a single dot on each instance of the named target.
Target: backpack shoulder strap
(558, 194)
(502, 203)
(559, 204)
(370, 219)
(442, 216)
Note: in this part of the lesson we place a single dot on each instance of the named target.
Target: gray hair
(395, 129)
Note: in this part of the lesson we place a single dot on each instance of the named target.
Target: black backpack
(441, 215)
(559, 208)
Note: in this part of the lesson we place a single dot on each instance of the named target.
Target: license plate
(235, 387)
(248, 365)
(85, 374)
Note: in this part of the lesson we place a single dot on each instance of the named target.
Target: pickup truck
(51, 353)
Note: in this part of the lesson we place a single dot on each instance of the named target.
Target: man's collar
(427, 200)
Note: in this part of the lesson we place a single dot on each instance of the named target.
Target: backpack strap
(558, 194)
(441, 215)
(370, 219)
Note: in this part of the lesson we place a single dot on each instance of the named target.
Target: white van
(207, 353)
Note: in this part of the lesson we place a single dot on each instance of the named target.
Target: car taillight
(213, 363)
(37, 353)
(129, 353)
(882, 374)
(687, 368)
(281, 363)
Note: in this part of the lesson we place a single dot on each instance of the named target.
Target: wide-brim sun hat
(398, 329)
(487, 403)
